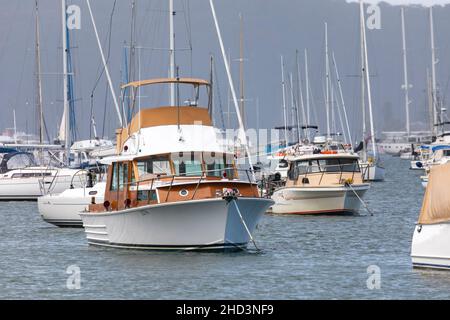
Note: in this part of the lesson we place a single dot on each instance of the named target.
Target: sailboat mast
(283, 88)
(242, 134)
(307, 94)
(241, 68)
(341, 94)
(172, 52)
(433, 73)
(300, 100)
(369, 92)
(405, 70)
(38, 77)
(430, 100)
(65, 81)
(327, 79)
(363, 83)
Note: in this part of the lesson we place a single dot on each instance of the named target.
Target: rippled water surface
(302, 257)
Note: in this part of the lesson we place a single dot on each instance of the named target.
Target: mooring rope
(245, 225)
(359, 198)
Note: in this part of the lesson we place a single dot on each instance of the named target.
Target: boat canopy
(191, 81)
(436, 148)
(436, 202)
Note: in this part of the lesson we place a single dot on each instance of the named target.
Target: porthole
(184, 193)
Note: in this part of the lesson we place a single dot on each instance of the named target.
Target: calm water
(302, 258)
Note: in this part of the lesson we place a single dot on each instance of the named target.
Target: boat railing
(329, 169)
(193, 177)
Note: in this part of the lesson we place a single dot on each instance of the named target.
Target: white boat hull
(63, 210)
(431, 246)
(373, 172)
(192, 225)
(30, 188)
(318, 200)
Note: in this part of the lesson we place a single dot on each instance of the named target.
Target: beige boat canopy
(436, 202)
(191, 81)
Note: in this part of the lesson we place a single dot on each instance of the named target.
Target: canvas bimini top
(436, 202)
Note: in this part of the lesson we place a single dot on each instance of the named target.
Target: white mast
(307, 93)
(301, 102)
(405, 69)
(172, 52)
(294, 110)
(433, 73)
(242, 135)
(241, 69)
(283, 88)
(65, 82)
(15, 126)
(38, 78)
(342, 100)
(327, 79)
(369, 93)
(105, 65)
(363, 83)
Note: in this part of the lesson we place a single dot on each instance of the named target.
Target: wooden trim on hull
(209, 247)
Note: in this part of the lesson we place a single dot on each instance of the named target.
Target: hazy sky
(271, 28)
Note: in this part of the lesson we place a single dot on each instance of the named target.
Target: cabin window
(303, 167)
(123, 175)
(114, 178)
(188, 164)
(349, 165)
(339, 165)
(19, 161)
(158, 165)
(217, 166)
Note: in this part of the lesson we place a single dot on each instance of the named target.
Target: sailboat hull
(31, 183)
(372, 172)
(431, 246)
(63, 210)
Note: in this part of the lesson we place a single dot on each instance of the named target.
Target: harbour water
(302, 257)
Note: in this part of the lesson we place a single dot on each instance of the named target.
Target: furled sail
(436, 202)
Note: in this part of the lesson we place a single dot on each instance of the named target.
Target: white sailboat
(431, 239)
(371, 167)
(22, 178)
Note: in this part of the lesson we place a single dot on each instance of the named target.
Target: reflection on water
(302, 257)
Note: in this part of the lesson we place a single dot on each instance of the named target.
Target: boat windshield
(17, 161)
(155, 165)
(327, 165)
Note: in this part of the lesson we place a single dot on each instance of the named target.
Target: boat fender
(419, 164)
(106, 204)
(127, 203)
(419, 228)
